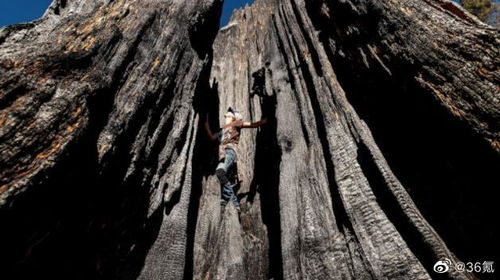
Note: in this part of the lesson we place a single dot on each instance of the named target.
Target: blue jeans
(221, 171)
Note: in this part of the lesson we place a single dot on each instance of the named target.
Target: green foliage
(480, 8)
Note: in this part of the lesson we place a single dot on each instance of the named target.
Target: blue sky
(229, 6)
(15, 11)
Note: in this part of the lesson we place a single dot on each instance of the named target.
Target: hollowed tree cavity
(448, 170)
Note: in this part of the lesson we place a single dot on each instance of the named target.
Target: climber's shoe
(223, 203)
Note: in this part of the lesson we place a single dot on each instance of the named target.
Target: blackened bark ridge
(382, 134)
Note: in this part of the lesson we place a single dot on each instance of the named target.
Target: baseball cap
(234, 113)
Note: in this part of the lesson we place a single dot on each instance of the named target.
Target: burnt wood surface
(378, 158)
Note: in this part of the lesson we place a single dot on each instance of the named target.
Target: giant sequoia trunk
(98, 129)
(105, 172)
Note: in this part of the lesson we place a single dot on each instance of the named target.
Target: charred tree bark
(343, 212)
(442, 48)
(104, 170)
(97, 132)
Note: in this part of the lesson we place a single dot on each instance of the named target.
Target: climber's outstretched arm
(255, 124)
(211, 136)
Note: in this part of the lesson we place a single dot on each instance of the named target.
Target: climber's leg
(222, 175)
(221, 172)
(227, 193)
(235, 200)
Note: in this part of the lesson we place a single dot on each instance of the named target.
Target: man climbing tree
(229, 137)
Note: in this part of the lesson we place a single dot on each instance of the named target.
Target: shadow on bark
(205, 158)
(266, 182)
(70, 221)
(448, 170)
(48, 231)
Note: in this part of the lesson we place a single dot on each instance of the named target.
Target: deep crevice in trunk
(266, 183)
(430, 153)
(144, 237)
(393, 210)
(206, 104)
